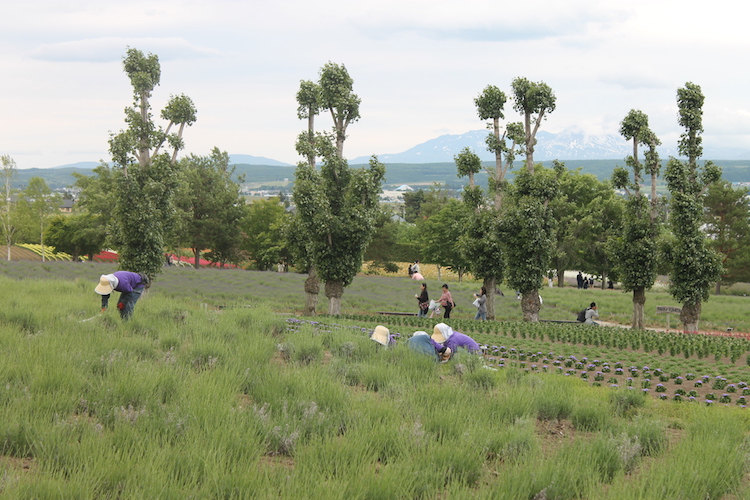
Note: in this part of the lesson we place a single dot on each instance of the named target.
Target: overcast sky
(416, 65)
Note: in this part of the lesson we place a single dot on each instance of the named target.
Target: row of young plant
(595, 371)
(674, 343)
(586, 418)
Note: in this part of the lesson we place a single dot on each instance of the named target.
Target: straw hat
(441, 333)
(107, 283)
(381, 335)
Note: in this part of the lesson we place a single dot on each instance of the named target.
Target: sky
(416, 65)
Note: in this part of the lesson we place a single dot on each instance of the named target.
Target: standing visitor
(446, 301)
(423, 299)
(481, 303)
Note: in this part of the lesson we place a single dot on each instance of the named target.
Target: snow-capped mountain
(566, 145)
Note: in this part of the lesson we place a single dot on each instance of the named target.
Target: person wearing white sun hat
(130, 285)
(447, 341)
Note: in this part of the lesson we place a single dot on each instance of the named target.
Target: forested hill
(416, 174)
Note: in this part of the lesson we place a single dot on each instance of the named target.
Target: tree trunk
(560, 278)
(334, 291)
(689, 316)
(530, 305)
(312, 289)
(438, 270)
(639, 300)
(460, 274)
(489, 285)
(718, 288)
(604, 281)
(197, 257)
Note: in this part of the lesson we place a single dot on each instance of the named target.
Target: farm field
(217, 389)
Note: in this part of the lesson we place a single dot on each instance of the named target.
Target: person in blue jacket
(129, 284)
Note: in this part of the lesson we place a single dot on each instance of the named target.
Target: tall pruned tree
(635, 251)
(490, 105)
(533, 100)
(527, 229)
(468, 164)
(337, 207)
(310, 102)
(727, 224)
(694, 265)
(8, 217)
(145, 177)
(338, 97)
(210, 206)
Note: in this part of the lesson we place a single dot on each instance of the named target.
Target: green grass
(187, 400)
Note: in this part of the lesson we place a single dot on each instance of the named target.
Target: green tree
(210, 206)
(694, 265)
(635, 251)
(440, 236)
(76, 235)
(413, 204)
(727, 224)
(37, 204)
(146, 177)
(265, 220)
(9, 221)
(533, 100)
(482, 249)
(527, 229)
(584, 218)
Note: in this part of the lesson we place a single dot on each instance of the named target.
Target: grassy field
(216, 389)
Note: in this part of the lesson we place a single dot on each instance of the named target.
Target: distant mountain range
(566, 145)
(433, 160)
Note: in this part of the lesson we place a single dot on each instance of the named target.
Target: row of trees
(146, 201)
(557, 219)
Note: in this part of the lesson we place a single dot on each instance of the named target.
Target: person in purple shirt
(447, 341)
(130, 285)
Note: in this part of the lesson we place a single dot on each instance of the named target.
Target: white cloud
(416, 64)
(112, 49)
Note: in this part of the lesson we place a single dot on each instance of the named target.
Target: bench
(391, 313)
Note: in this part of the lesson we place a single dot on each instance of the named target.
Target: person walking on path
(129, 284)
(481, 303)
(579, 280)
(446, 301)
(423, 299)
